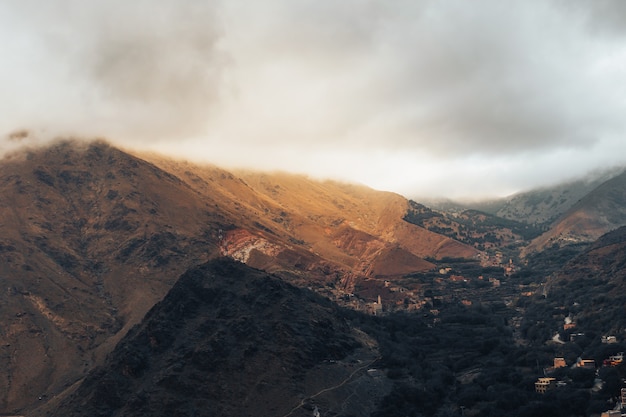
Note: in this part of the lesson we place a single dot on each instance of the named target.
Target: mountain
(229, 340)
(598, 212)
(540, 206)
(593, 285)
(91, 237)
(134, 284)
(299, 224)
(544, 205)
(479, 229)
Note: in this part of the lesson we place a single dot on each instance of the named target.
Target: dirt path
(341, 384)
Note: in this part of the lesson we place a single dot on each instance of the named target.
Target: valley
(134, 284)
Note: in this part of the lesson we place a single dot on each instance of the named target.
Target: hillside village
(457, 283)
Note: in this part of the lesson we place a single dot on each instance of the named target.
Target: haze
(425, 98)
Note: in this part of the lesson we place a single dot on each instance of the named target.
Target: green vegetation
(465, 361)
(483, 358)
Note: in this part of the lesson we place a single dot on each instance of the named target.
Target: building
(614, 360)
(623, 397)
(544, 384)
(559, 363)
(612, 413)
(586, 364)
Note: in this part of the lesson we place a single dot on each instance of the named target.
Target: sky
(427, 98)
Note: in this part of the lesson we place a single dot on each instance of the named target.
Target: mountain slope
(482, 230)
(545, 205)
(594, 284)
(232, 341)
(91, 237)
(350, 227)
(599, 212)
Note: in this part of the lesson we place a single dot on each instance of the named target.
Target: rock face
(91, 237)
(229, 341)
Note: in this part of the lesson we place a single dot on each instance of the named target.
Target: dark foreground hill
(593, 286)
(229, 340)
(90, 239)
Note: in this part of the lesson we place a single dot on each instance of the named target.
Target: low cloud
(144, 69)
(428, 84)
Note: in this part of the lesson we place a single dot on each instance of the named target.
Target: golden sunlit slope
(323, 225)
(338, 217)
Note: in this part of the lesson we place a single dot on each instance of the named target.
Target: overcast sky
(426, 98)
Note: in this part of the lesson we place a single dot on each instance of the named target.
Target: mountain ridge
(597, 213)
(93, 236)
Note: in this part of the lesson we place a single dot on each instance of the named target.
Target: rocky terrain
(89, 242)
(545, 205)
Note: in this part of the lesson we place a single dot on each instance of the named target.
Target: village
(458, 283)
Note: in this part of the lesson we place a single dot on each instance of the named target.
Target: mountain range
(135, 284)
(92, 237)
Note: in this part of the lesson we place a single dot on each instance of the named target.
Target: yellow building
(587, 364)
(544, 384)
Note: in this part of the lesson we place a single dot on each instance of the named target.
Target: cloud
(442, 77)
(411, 93)
(142, 69)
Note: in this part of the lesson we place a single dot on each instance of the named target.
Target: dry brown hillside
(91, 237)
(323, 225)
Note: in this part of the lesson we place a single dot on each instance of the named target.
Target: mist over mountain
(541, 205)
(599, 211)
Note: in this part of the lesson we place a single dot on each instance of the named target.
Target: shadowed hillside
(90, 238)
(596, 282)
(232, 341)
(600, 211)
